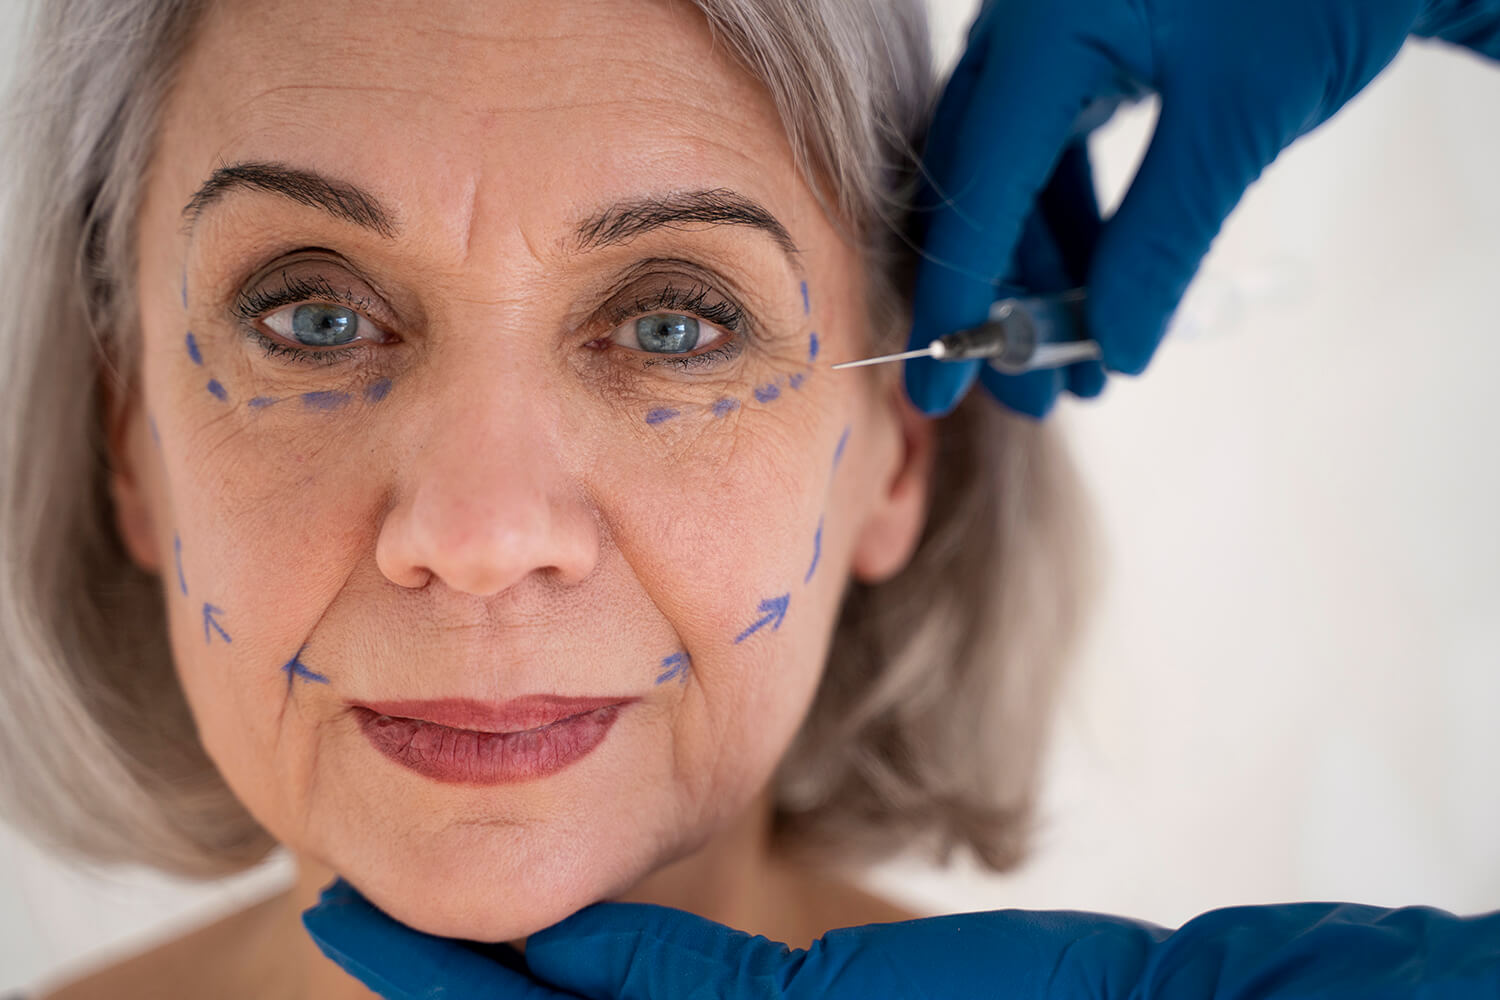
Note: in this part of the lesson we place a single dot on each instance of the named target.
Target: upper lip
(511, 716)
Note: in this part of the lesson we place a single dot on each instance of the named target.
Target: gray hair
(932, 715)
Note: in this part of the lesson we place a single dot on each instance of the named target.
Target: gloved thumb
(638, 951)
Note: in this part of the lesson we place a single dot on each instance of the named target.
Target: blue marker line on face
(184, 288)
(812, 346)
(261, 402)
(192, 349)
(660, 414)
(723, 405)
(324, 400)
(217, 389)
(377, 390)
(766, 393)
(296, 668)
(838, 452)
(806, 306)
(208, 622)
(177, 556)
(795, 379)
(155, 437)
(774, 607)
(676, 666)
(817, 550)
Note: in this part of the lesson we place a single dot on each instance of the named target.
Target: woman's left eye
(667, 333)
(321, 325)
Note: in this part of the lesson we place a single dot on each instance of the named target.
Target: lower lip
(467, 757)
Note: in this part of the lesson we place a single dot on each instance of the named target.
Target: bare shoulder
(201, 962)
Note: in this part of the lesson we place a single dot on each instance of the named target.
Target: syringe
(1022, 335)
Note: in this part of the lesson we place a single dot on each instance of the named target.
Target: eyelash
(696, 300)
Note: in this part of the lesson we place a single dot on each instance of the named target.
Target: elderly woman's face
(488, 364)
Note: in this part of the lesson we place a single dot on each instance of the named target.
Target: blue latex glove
(1239, 81)
(634, 951)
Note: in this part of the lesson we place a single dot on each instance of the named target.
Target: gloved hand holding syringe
(1022, 334)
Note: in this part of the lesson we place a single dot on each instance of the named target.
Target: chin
(494, 883)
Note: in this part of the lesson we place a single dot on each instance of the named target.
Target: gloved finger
(400, 963)
(1085, 379)
(1030, 393)
(1020, 113)
(639, 951)
(1207, 149)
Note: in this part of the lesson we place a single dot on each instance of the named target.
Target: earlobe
(127, 459)
(894, 522)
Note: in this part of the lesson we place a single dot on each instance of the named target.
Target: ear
(894, 521)
(129, 444)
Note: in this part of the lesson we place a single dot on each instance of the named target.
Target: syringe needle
(925, 352)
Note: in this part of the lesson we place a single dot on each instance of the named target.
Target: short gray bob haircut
(929, 726)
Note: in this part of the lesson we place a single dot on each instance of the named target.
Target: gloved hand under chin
(635, 951)
(1239, 80)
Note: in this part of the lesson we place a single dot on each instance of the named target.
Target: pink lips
(463, 741)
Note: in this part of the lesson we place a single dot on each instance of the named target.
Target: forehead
(435, 103)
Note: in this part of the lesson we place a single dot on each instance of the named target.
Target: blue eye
(669, 333)
(318, 324)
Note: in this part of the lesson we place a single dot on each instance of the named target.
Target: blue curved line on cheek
(725, 405)
(817, 550)
(261, 402)
(324, 400)
(838, 452)
(192, 349)
(377, 390)
(155, 436)
(217, 390)
(675, 665)
(766, 393)
(812, 346)
(184, 288)
(296, 668)
(177, 557)
(806, 305)
(795, 379)
(661, 414)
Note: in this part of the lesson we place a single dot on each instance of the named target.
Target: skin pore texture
(497, 491)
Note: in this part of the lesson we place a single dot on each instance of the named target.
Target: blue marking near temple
(795, 379)
(774, 608)
(177, 557)
(377, 390)
(261, 402)
(208, 622)
(812, 346)
(817, 550)
(296, 668)
(675, 665)
(766, 393)
(838, 452)
(806, 305)
(192, 349)
(217, 389)
(661, 414)
(324, 400)
(724, 405)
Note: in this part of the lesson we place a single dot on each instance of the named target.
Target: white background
(1291, 690)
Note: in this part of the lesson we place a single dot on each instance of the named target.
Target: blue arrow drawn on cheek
(208, 622)
(775, 607)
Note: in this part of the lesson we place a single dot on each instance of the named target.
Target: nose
(485, 500)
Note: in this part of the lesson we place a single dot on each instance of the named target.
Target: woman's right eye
(319, 324)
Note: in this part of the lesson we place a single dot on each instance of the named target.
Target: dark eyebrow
(340, 199)
(622, 222)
